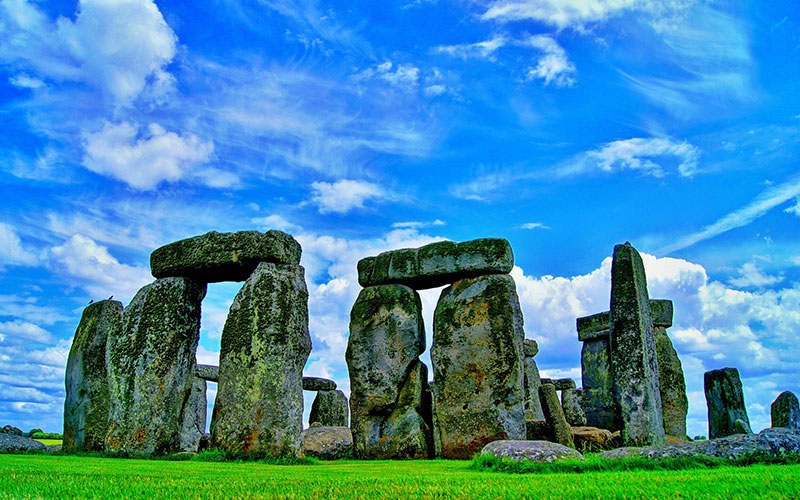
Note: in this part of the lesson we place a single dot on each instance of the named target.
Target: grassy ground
(47, 476)
(49, 442)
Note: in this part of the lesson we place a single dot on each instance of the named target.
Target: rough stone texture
(87, 400)
(661, 311)
(329, 409)
(562, 384)
(318, 384)
(209, 373)
(265, 344)
(215, 256)
(12, 442)
(559, 428)
(151, 367)
(327, 443)
(773, 441)
(194, 417)
(785, 411)
(591, 438)
(725, 401)
(674, 403)
(437, 264)
(388, 411)
(573, 410)
(533, 407)
(598, 394)
(530, 348)
(634, 364)
(537, 430)
(534, 451)
(478, 365)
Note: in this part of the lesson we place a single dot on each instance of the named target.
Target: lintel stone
(209, 373)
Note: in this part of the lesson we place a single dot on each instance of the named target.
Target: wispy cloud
(559, 13)
(418, 224)
(533, 225)
(554, 66)
(484, 50)
(345, 195)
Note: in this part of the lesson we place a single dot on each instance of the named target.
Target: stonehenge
(727, 414)
(785, 411)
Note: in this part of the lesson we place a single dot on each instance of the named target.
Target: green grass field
(49, 442)
(48, 476)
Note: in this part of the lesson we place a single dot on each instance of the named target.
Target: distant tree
(46, 435)
(33, 431)
(10, 429)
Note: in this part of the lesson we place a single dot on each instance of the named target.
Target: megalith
(672, 386)
(634, 363)
(725, 400)
(194, 417)
(598, 392)
(785, 411)
(571, 403)
(151, 368)
(318, 384)
(478, 365)
(533, 406)
(329, 409)
(265, 344)
(389, 416)
(86, 404)
(560, 431)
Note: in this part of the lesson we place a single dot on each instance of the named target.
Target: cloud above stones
(345, 195)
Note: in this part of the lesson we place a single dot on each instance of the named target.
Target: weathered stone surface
(785, 411)
(537, 430)
(674, 403)
(209, 373)
(773, 441)
(530, 348)
(634, 364)
(329, 409)
(598, 394)
(437, 264)
(328, 443)
(388, 413)
(573, 409)
(86, 404)
(265, 344)
(12, 442)
(562, 384)
(318, 384)
(151, 367)
(591, 438)
(661, 310)
(477, 363)
(725, 401)
(214, 256)
(594, 326)
(534, 451)
(533, 407)
(559, 428)
(194, 417)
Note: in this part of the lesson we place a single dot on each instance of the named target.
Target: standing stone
(598, 393)
(560, 430)
(477, 363)
(87, 401)
(329, 409)
(785, 411)
(388, 414)
(573, 410)
(674, 403)
(533, 406)
(725, 400)
(194, 417)
(265, 344)
(151, 368)
(634, 365)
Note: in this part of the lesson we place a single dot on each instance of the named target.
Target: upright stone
(87, 402)
(672, 385)
(389, 416)
(725, 400)
(194, 417)
(329, 409)
(265, 344)
(634, 365)
(598, 392)
(477, 363)
(151, 368)
(533, 406)
(785, 411)
(573, 410)
(560, 430)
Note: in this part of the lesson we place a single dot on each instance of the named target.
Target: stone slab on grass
(534, 451)
(328, 443)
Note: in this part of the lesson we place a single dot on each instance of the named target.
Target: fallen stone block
(328, 443)
(534, 451)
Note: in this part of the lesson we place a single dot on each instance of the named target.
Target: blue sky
(566, 127)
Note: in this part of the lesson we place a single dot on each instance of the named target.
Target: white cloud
(638, 154)
(418, 224)
(794, 209)
(403, 76)
(554, 66)
(116, 46)
(751, 275)
(144, 159)
(276, 221)
(559, 13)
(344, 195)
(28, 309)
(434, 90)
(25, 81)
(483, 50)
(93, 268)
(23, 332)
(533, 225)
(11, 250)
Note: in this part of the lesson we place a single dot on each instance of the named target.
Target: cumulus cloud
(554, 66)
(23, 332)
(11, 250)
(344, 195)
(641, 154)
(143, 159)
(403, 76)
(751, 275)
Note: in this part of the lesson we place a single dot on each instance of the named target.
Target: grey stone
(554, 414)
(598, 394)
(86, 404)
(533, 407)
(772, 442)
(437, 264)
(530, 348)
(214, 256)
(477, 363)
(12, 442)
(533, 451)
(209, 373)
(661, 311)
(591, 439)
(194, 417)
(151, 366)
(329, 409)
(674, 403)
(265, 344)
(388, 415)
(327, 443)
(562, 384)
(537, 430)
(573, 409)
(725, 400)
(785, 411)
(634, 363)
(318, 384)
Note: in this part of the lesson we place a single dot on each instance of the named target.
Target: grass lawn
(49, 442)
(46, 476)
